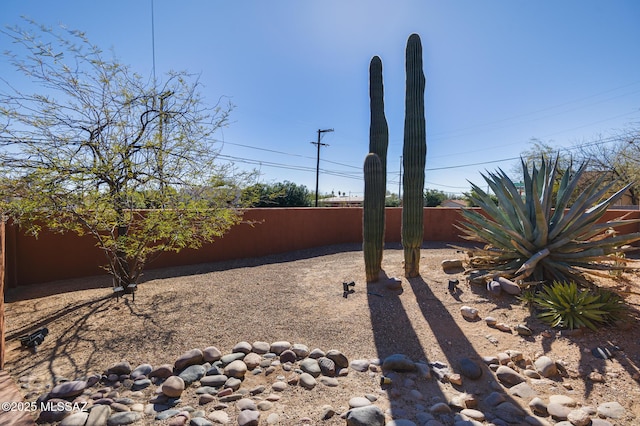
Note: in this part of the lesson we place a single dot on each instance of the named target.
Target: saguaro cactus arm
(378, 128)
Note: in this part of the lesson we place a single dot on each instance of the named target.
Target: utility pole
(319, 144)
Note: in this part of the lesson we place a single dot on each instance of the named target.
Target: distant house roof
(454, 203)
(342, 201)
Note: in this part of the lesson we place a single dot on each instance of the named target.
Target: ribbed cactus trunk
(373, 217)
(414, 155)
(378, 129)
(375, 175)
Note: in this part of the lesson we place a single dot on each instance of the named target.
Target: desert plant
(378, 128)
(373, 217)
(532, 237)
(414, 154)
(565, 305)
(375, 175)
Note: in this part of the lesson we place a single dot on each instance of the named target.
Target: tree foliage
(617, 158)
(472, 197)
(614, 159)
(88, 142)
(434, 197)
(279, 194)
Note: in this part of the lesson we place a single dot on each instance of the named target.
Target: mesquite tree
(91, 147)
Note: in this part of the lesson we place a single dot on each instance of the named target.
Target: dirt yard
(298, 297)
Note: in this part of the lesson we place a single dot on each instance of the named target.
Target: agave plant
(552, 231)
(564, 305)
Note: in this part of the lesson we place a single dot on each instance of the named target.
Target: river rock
(248, 418)
(470, 368)
(399, 363)
(287, 356)
(450, 265)
(191, 357)
(301, 351)
(163, 371)
(494, 288)
(579, 418)
(338, 358)
(68, 389)
(508, 376)
(244, 347)
(523, 330)
(558, 411)
(510, 413)
(246, 404)
(469, 313)
(327, 366)
(360, 365)
(192, 373)
(98, 415)
(233, 383)
(310, 366)
(141, 371)
(252, 360)
(278, 347)
(538, 406)
(211, 354)
(219, 416)
(545, 366)
(119, 368)
(359, 401)
(75, 419)
(229, 358)
(216, 380)
(523, 390)
(370, 415)
(236, 369)
(509, 286)
(124, 418)
(612, 410)
(307, 381)
(173, 387)
(329, 381)
(473, 414)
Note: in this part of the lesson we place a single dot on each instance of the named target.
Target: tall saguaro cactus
(375, 175)
(414, 154)
(373, 216)
(378, 129)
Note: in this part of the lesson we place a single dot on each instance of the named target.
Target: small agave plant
(551, 232)
(564, 305)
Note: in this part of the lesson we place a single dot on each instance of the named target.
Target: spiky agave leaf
(565, 305)
(536, 237)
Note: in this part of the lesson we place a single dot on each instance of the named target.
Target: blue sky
(499, 73)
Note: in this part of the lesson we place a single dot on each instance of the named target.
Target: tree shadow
(73, 344)
(61, 343)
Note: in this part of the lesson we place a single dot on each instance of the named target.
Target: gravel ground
(298, 297)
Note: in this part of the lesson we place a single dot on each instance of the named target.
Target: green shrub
(564, 305)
